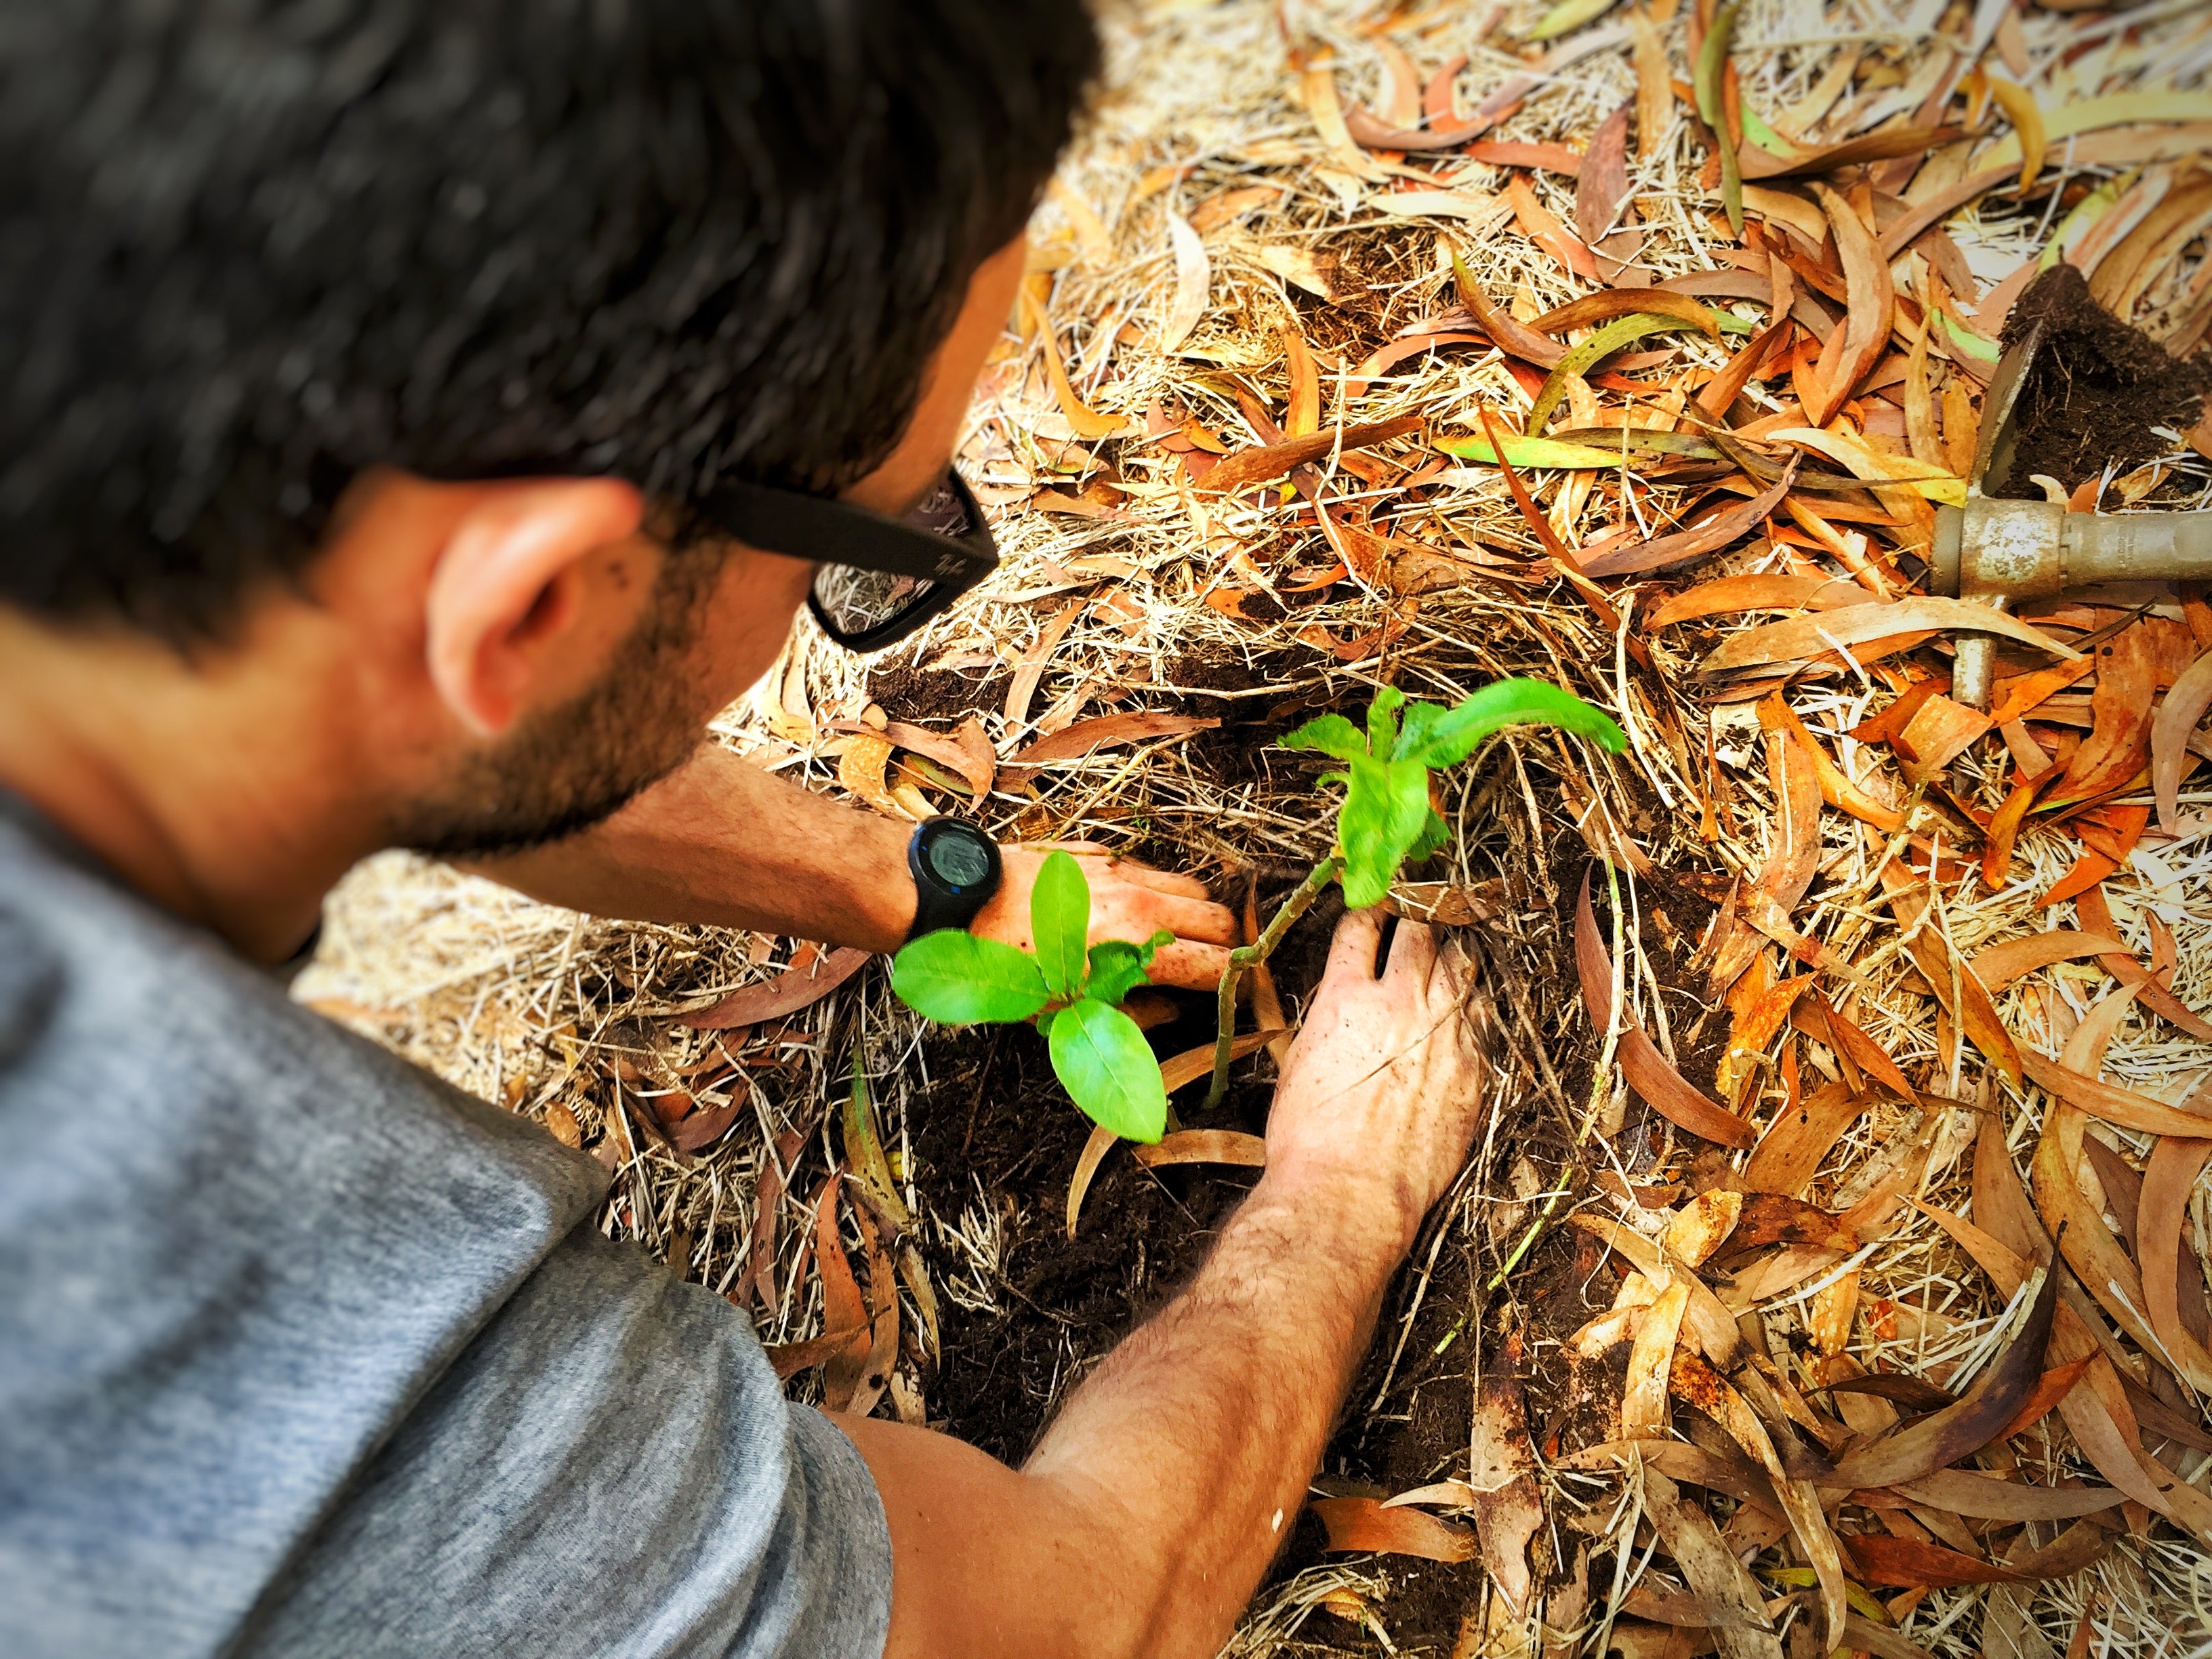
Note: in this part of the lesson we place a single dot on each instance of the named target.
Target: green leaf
(1117, 968)
(1332, 734)
(1384, 813)
(864, 1148)
(1383, 720)
(1581, 359)
(1458, 731)
(1708, 75)
(1436, 835)
(1528, 455)
(1967, 340)
(1569, 15)
(1059, 922)
(954, 977)
(1044, 1021)
(1107, 1069)
(1420, 718)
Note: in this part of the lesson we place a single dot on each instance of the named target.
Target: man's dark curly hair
(249, 247)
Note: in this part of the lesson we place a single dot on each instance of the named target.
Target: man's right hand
(1382, 1092)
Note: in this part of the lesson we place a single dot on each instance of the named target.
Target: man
(419, 419)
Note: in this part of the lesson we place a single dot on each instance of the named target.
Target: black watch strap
(955, 870)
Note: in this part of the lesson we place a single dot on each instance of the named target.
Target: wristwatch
(955, 867)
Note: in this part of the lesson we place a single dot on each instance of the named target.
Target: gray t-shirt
(304, 1352)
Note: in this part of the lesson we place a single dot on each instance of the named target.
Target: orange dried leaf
(1304, 418)
(800, 986)
(1870, 308)
(1086, 1166)
(1709, 535)
(1794, 853)
(1773, 1219)
(2054, 1386)
(1906, 1563)
(1365, 1523)
(1507, 335)
(1609, 303)
(1718, 394)
(2025, 693)
(2004, 828)
(1205, 1146)
(1086, 421)
(1732, 595)
(1799, 1142)
(1837, 788)
(2177, 720)
(1883, 727)
(2118, 744)
(789, 1359)
(1110, 731)
(1944, 1437)
(843, 1306)
(1509, 1507)
(1755, 1023)
(1538, 224)
(2169, 1177)
(1937, 735)
(2087, 872)
(1998, 965)
(1248, 467)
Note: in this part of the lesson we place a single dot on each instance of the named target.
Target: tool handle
(2137, 547)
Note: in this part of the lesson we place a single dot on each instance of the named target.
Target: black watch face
(958, 860)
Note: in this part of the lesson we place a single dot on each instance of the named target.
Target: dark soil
(997, 1116)
(2097, 389)
(925, 696)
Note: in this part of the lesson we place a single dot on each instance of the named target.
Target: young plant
(1385, 817)
(1098, 1054)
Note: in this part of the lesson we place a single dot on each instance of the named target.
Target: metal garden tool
(1999, 552)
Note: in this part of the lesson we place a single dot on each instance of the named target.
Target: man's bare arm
(1145, 1517)
(723, 843)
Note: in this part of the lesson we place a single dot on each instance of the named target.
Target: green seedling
(1098, 1054)
(1385, 817)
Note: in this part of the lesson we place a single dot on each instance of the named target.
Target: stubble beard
(564, 770)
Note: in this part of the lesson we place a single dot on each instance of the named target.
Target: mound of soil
(2096, 391)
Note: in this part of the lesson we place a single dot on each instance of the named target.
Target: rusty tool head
(2000, 551)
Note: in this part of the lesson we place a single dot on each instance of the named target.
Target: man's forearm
(1209, 1421)
(1172, 1476)
(722, 844)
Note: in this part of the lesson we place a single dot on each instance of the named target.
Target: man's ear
(507, 587)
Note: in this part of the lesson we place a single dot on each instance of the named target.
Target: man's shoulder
(240, 1243)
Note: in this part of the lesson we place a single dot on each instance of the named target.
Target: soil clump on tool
(2098, 389)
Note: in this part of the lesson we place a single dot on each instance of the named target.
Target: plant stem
(1258, 950)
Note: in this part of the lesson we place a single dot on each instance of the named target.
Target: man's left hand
(1129, 901)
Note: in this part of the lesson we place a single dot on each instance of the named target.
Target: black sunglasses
(878, 578)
